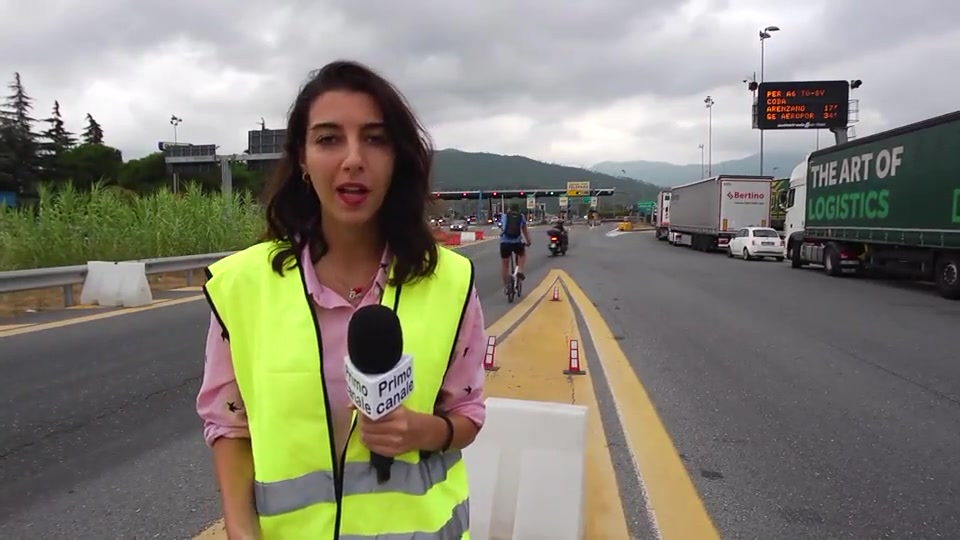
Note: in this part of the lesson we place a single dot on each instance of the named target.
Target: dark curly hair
(293, 209)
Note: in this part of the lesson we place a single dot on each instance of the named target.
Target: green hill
(455, 170)
(776, 163)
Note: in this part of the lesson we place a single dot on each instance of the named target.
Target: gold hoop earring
(305, 177)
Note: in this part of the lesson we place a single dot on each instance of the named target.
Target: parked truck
(706, 214)
(662, 215)
(887, 203)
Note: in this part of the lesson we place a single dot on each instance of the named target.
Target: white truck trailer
(707, 213)
(663, 215)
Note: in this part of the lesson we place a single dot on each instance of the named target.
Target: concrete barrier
(526, 471)
(466, 237)
(116, 284)
(452, 239)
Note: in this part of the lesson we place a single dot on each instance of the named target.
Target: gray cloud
(575, 82)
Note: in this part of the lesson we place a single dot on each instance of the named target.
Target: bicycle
(515, 286)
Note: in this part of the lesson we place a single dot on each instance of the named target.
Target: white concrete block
(549, 501)
(526, 470)
(94, 282)
(116, 284)
(468, 237)
(483, 464)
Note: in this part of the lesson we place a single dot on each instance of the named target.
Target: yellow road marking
(96, 306)
(97, 317)
(8, 327)
(527, 301)
(678, 511)
(532, 369)
(217, 531)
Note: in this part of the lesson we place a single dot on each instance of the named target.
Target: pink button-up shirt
(220, 404)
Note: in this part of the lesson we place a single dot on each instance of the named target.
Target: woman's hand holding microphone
(402, 431)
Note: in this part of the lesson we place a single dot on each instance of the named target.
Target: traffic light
(494, 193)
(521, 194)
(464, 194)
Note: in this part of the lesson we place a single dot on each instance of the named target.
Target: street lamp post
(708, 101)
(752, 85)
(765, 34)
(175, 121)
(701, 161)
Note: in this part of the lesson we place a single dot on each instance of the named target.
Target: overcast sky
(561, 81)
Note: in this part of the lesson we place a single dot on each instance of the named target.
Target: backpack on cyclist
(512, 225)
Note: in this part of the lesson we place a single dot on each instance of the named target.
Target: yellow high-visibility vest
(277, 356)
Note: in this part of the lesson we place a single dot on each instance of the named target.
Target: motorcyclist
(560, 231)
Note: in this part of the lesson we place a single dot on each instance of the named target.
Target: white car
(757, 243)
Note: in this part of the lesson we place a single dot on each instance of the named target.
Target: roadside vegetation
(108, 223)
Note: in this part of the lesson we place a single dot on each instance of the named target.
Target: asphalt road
(99, 438)
(804, 406)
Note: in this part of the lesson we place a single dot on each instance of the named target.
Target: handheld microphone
(379, 375)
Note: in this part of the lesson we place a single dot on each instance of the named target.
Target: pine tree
(93, 133)
(57, 140)
(57, 135)
(6, 159)
(19, 141)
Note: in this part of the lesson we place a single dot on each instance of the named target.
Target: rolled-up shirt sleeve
(218, 402)
(462, 391)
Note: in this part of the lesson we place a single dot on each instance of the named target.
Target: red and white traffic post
(488, 359)
(573, 361)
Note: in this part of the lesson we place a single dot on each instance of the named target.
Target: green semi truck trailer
(887, 203)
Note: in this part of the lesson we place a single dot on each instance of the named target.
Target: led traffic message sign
(803, 105)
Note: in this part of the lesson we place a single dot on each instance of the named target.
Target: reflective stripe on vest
(281, 497)
(285, 396)
(455, 529)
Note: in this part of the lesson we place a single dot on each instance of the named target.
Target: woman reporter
(346, 228)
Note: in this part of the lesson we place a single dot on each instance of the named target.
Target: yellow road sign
(578, 188)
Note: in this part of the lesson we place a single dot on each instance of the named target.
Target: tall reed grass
(69, 226)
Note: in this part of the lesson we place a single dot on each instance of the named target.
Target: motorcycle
(557, 245)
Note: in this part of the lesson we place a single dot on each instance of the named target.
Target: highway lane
(98, 434)
(804, 406)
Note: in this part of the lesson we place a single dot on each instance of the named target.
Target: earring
(305, 177)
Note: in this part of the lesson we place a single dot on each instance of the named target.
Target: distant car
(757, 243)
(459, 226)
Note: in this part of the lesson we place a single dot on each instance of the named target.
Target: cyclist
(513, 225)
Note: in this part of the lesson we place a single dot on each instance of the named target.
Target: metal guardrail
(68, 276)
